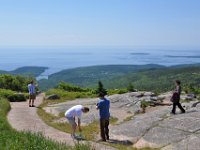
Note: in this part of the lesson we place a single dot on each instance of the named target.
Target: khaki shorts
(71, 120)
(32, 96)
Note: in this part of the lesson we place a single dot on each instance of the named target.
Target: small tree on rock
(101, 89)
(130, 87)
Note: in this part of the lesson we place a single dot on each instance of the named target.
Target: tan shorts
(71, 120)
(32, 96)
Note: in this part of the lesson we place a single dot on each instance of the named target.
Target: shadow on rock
(191, 111)
(125, 142)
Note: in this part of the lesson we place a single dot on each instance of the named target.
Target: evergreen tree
(100, 89)
(130, 87)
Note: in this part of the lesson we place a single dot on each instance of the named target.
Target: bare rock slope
(156, 128)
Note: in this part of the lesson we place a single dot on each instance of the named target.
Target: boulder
(139, 94)
(53, 97)
(154, 98)
(149, 94)
(190, 96)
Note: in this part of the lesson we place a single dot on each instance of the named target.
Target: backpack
(175, 97)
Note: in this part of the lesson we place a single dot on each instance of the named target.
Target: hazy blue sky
(99, 23)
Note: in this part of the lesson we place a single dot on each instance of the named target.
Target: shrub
(14, 83)
(16, 97)
(13, 96)
(117, 91)
(70, 95)
(144, 104)
(71, 88)
(130, 88)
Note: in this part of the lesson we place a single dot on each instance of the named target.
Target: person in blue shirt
(103, 106)
(32, 93)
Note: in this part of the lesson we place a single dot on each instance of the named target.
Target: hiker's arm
(97, 106)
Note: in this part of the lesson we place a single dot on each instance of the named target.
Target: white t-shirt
(75, 111)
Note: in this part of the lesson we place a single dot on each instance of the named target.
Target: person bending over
(71, 114)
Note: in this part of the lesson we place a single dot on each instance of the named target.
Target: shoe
(73, 136)
(107, 138)
(102, 140)
(30, 106)
(173, 113)
(33, 106)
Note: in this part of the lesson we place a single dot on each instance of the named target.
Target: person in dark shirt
(103, 106)
(176, 98)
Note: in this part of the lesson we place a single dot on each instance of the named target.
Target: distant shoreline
(182, 56)
(43, 75)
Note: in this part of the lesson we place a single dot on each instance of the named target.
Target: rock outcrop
(156, 129)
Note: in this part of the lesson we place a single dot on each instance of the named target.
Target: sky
(66, 23)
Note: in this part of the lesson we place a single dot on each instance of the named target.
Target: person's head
(31, 82)
(85, 109)
(178, 82)
(101, 95)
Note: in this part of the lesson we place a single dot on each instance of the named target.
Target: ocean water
(58, 59)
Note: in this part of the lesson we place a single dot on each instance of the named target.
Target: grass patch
(128, 118)
(113, 120)
(70, 95)
(10, 139)
(117, 91)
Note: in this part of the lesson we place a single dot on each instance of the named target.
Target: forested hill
(143, 77)
(26, 71)
(159, 80)
(89, 76)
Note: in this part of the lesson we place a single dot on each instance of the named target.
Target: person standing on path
(32, 93)
(176, 98)
(103, 106)
(70, 114)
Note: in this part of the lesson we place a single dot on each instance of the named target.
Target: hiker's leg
(107, 129)
(174, 108)
(102, 127)
(29, 100)
(180, 107)
(74, 125)
(33, 99)
(72, 122)
(74, 129)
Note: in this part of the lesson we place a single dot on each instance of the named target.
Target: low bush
(70, 95)
(15, 83)
(71, 88)
(117, 91)
(13, 96)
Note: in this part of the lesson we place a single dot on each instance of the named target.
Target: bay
(57, 59)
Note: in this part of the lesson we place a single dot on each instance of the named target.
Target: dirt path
(21, 117)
